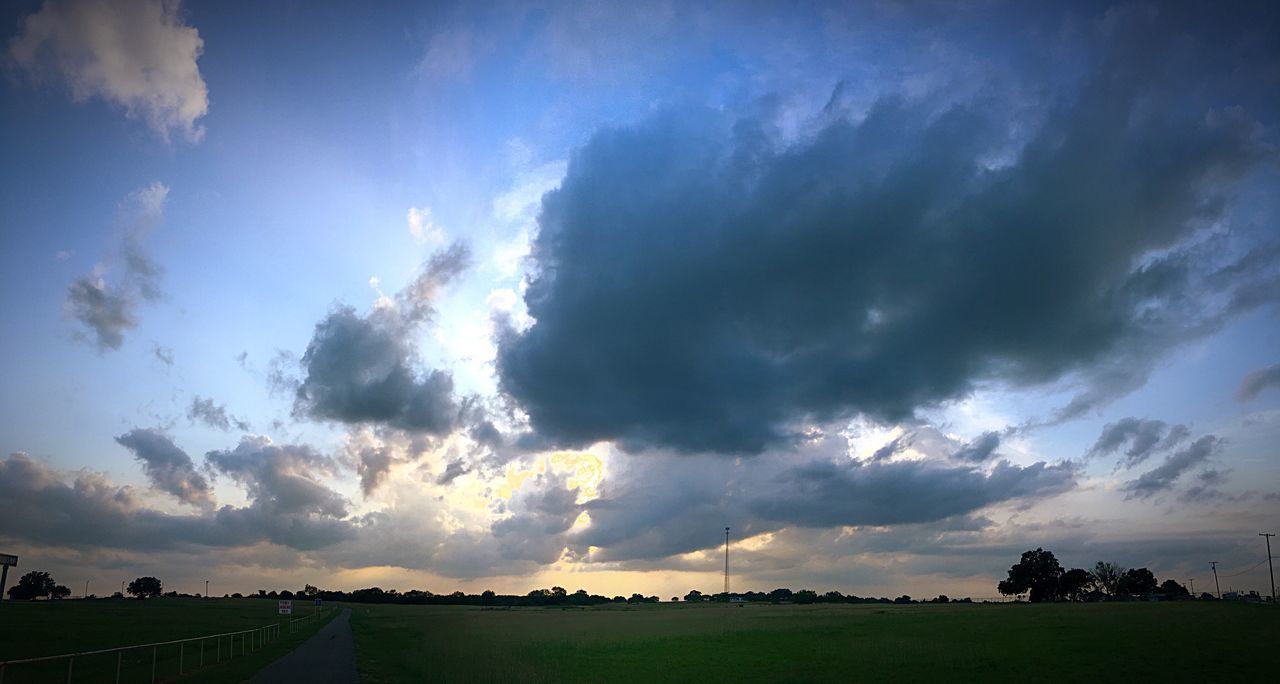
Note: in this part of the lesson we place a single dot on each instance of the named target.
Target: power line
(1244, 572)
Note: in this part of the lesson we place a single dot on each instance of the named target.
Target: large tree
(1172, 589)
(143, 587)
(1074, 584)
(1037, 572)
(34, 584)
(1107, 576)
(1137, 581)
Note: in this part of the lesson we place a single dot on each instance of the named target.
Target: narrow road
(329, 657)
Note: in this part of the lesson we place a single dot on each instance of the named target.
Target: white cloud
(423, 227)
(135, 54)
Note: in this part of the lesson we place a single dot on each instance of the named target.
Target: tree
(1172, 589)
(1107, 577)
(310, 591)
(143, 587)
(780, 594)
(806, 596)
(694, 596)
(34, 584)
(1137, 581)
(1074, 584)
(1038, 572)
(60, 592)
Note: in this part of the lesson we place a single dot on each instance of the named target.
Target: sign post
(5, 561)
(286, 607)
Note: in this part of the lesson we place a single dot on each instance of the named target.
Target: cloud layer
(138, 55)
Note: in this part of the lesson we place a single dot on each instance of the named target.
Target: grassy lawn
(30, 629)
(1129, 641)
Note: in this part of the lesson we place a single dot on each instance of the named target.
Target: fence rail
(250, 640)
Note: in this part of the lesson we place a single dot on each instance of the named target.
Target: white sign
(6, 559)
(286, 607)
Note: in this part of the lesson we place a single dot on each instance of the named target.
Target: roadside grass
(40, 628)
(790, 643)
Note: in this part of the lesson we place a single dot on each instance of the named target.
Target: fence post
(71, 664)
(202, 653)
(219, 649)
(119, 658)
(182, 657)
(153, 663)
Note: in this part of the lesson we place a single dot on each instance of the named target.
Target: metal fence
(224, 646)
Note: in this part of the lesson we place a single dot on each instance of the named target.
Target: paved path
(329, 657)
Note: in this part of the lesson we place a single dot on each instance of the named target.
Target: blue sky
(793, 257)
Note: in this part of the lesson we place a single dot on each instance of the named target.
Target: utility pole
(122, 587)
(1214, 565)
(86, 588)
(1268, 535)
(206, 588)
(1192, 581)
(726, 564)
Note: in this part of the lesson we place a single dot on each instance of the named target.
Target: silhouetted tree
(780, 594)
(1173, 589)
(1137, 581)
(32, 585)
(310, 591)
(806, 596)
(694, 596)
(1106, 577)
(1038, 572)
(60, 592)
(143, 587)
(1074, 584)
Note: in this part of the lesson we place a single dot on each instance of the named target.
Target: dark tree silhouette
(143, 587)
(1107, 577)
(694, 596)
(34, 584)
(1074, 584)
(1137, 581)
(1173, 589)
(60, 592)
(1037, 572)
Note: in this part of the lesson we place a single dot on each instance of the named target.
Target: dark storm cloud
(108, 309)
(91, 512)
(362, 369)
(1256, 382)
(214, 415)
(168, 468)
(1163, 477)
(701, 286)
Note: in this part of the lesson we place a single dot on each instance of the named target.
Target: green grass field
(1081, 642)
(30, 629)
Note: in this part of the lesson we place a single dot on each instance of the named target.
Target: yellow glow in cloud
(585, 469)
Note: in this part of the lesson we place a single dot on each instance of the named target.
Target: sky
(512, 295)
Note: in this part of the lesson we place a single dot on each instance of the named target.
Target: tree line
(1040, 576)
(39, 584)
